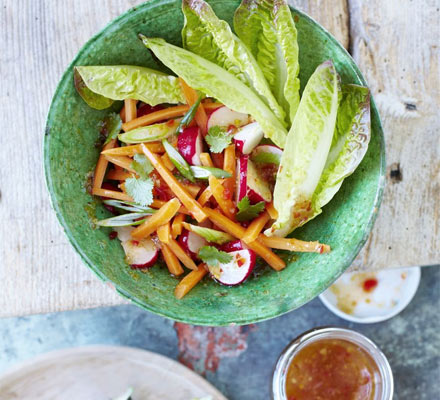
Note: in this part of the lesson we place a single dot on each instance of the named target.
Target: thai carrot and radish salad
(211, 168)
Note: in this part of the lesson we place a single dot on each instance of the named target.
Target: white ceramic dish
(103, 372)
(395, 288)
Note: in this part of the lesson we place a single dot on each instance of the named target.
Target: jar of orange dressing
(332, 364)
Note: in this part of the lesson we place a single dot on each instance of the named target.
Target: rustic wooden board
(396, 44)
(39, 271)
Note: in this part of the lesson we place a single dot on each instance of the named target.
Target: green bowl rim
(151, 307)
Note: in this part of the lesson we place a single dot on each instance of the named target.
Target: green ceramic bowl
(70, 155)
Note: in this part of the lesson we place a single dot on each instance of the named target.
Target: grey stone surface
(411, 341)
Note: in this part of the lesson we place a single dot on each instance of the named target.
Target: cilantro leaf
(211, 256)
(142, 166)
(140, 189)
(246, 212)
(218, 139)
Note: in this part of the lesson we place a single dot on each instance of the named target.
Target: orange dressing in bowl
(332, 369)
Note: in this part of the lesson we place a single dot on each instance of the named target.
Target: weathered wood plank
(396, 45)
(332, 15)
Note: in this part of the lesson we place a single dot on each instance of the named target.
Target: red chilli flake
(113, 235)
(369, 284)
(171, 122)
(135, 242)
(240, 262)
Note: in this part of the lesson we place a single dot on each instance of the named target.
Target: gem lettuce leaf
(120, 82)
(216, 82)
(306, 150)
(211, 38)
(349, 145)
(266, 27)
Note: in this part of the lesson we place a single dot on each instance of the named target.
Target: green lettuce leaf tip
(216, 82)
(211, 38)
(349, 145)
(120, 82)
(267, 28)
(306, 151)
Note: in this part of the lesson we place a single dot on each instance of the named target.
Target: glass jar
(384, 385)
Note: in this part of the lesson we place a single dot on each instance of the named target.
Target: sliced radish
(124, 232)
(191, 242)
(234, 245)
(248, 137)
(225, 117)
(267, 154)
(236, 271)
(250, 183)
(145, 109)
(140, 253)
(190, 145)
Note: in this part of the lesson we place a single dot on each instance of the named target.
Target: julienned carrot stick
(159, 203)
(256, 226)
(211, 106)
(177, 225)
(111, 194)
(225, 203)
(164, 233)
(171, 261)
(229, 164)
(184, 258)
(271, 210)
(189, 281)
(119, 175)
(130, 109)
(294, 244)
(191, 97)
(217, 159)
(205, 159)
(122, 161)
(176, 187)
(225, 224)
(167, 162)
(101, 166)
(205, 196)
(161, 217)
(193, 189)
(122, 114)
(155, 147)
(167, 113)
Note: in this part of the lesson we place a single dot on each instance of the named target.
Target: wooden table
(395, 43)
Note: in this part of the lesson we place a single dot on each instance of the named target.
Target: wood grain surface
(395, 44)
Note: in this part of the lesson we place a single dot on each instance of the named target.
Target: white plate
(395, 288)
(103, 373)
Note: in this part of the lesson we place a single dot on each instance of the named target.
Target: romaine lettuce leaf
(211, 38)
(266, 27)
(216, 82)
(92, 99)
(120, 82)
(350, 143)
(306, 151)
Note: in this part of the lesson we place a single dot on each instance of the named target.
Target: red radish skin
(225, 117)
(191, 242)
(236, 271)
(234, 245)
(190, 145)
(146, 109)
(250, 183)
(140, 254)
(248, 137)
